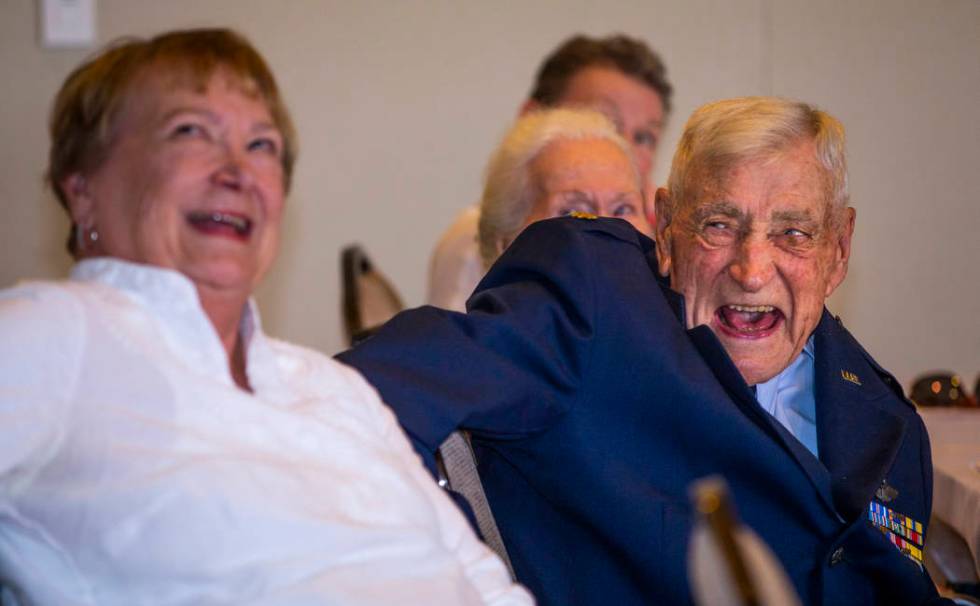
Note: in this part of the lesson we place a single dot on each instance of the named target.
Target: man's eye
(264, 144)
(795, 238)
(645, 138)
(797, 235)
(718, 232)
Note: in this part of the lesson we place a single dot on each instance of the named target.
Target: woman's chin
(223, 276)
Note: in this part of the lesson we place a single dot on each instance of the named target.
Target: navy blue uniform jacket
(592, 408)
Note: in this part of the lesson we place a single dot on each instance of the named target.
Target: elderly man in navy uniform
(600, 373)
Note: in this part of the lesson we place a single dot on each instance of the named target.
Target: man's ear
(502, 244)
(842, 250)
(81, 204)
(663, 231)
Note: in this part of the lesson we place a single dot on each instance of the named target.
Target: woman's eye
(188, 129)
(624, 210)
(265, 144)
(572, 207)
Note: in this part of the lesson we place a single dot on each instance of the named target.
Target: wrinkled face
(193, 182)
(587, 175)
(634, 107)
(755, 254)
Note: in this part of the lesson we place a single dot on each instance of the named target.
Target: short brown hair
(89, 101)
(627, 55)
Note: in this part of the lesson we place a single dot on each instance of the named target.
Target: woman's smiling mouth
(221, 223)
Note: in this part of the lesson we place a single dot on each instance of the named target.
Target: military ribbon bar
(902, 531)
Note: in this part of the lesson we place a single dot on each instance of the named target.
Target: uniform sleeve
(39, 354)
(511, 365)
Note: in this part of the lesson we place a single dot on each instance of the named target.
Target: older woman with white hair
(552, 163)
(158, 447)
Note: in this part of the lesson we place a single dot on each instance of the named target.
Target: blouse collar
(172, 298)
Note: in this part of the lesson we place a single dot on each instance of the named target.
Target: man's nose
(643, 158)
(752, 267)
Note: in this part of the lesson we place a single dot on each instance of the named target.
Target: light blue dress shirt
(789, 398)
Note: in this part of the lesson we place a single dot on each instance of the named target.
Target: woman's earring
(83, 237)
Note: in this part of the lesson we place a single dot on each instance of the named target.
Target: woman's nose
(233, 169)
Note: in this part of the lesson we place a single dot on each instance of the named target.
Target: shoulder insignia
(577, 214)
(850, 376)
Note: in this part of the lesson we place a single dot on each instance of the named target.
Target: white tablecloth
(955, 437)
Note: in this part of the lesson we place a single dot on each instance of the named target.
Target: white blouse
(134, 471)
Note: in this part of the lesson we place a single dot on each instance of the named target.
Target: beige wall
(399, 103)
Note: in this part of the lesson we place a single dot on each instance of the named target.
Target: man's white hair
(508, 194)
(721, 135)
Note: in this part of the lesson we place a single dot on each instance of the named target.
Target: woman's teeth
(240, 224)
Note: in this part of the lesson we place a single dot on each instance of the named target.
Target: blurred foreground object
(728, 564)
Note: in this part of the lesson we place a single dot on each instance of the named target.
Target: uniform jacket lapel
(727, 373)
(731, 379)
(859, 430)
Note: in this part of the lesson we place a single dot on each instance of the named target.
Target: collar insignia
(850, 376)
(902, 531)
(577, 214)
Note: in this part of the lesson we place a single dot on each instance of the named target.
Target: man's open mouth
(221, 223)
(748, 321)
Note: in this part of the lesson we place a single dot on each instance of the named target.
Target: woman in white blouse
(157, 447)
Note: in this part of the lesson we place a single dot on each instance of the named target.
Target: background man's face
(634, 107)
(587, 175)
(755, 254)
